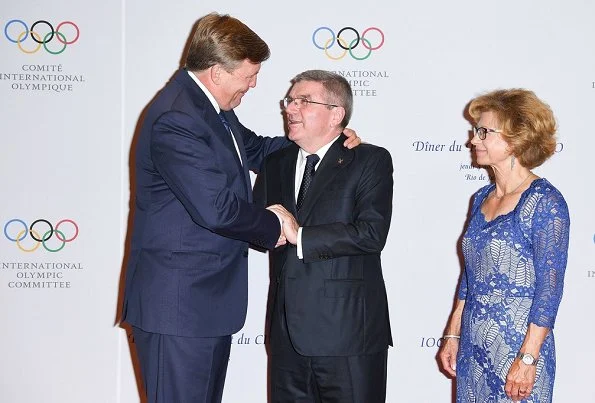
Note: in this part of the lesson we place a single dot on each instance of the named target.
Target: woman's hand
(521, 377)
(448, 355)
(520, 380)
(450, 342)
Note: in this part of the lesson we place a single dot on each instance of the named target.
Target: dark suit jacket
(335, 299)
(193, 218)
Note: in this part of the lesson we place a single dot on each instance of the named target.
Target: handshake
(289, 225)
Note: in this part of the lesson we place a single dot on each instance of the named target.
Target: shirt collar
(321, 151)
(206, 91)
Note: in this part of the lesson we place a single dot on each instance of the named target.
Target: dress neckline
(524, 195)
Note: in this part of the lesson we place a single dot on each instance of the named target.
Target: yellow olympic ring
(32, 34)
(32, 232)
(340, 40)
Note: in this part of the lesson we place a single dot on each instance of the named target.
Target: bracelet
(451, 336)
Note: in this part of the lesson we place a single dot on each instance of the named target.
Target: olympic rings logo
(19, 235)
(42, 38)
(324, 38)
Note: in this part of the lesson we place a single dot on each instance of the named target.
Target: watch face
(528, 359)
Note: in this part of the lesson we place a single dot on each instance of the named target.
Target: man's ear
(215, 73)
(338, 115)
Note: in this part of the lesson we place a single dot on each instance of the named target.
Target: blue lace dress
(514, 274)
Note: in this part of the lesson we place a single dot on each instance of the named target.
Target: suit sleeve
(367, 232)
(258, 147)
(182, 153)
(260, 187)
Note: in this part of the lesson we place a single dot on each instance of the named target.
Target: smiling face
(311, 125)
(231, 87)
(493, 151)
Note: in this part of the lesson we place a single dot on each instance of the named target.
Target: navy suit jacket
(194, 217)
(334, 299)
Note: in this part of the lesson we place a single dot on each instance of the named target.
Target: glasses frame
(482, 132)
(299, 101)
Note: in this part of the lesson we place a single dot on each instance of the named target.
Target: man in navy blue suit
(186, 280)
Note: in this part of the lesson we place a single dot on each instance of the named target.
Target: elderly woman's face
(493, 150)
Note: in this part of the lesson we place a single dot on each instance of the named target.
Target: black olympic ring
(356, 39)
(51, 33)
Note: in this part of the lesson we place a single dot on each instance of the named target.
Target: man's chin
(292, 134)
(235, 103)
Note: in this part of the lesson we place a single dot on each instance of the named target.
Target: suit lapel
(235, 131)
(335, 159)
(286, 178)
(214, 122)
(209, 114)
(287, 175)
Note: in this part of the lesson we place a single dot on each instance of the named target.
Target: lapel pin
(340, 161)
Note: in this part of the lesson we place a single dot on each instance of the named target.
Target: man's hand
(352, 139)
(289, 224)
(282, 240)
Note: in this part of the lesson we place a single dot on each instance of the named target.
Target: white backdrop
(68, 120)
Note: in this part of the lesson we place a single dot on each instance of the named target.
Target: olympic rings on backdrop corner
(37, 37)
(40, 240)
(330, 42)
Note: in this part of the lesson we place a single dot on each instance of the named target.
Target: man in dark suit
(330, 328)
(186, 280)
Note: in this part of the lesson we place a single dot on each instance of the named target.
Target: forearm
(450, 341)
(454, 323)
(361, 229)
(329, 241)
(182, 154)
(258, 147)
(534, 339)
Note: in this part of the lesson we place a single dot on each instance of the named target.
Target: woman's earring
(511, 162)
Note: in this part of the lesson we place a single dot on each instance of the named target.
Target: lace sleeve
(549, 237)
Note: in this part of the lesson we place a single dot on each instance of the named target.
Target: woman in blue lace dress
(499, 340)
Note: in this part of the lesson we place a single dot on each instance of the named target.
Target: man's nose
(292, 106)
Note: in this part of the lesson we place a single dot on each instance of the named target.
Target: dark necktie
(224, 121)
(228, 127)
(311, 161)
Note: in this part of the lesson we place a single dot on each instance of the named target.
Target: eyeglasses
(299, 102)
(482, 132)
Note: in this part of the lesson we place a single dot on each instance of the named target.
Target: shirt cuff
(300, 255)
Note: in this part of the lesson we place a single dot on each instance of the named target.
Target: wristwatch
(527, 358)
